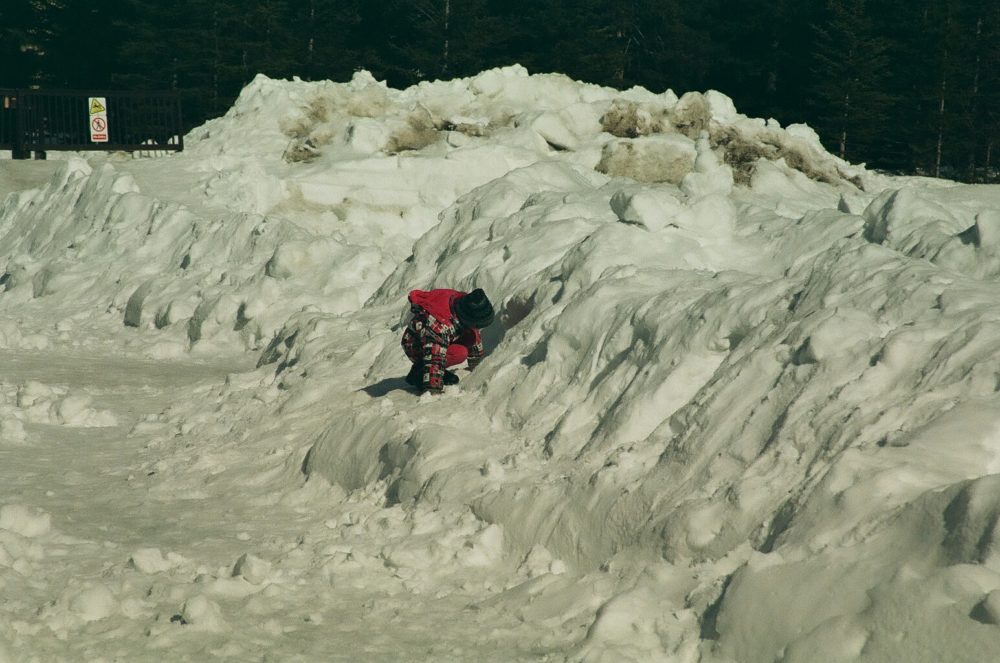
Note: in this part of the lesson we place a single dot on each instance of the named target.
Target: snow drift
(740, 393)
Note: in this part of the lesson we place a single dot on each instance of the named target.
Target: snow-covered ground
(740, 403)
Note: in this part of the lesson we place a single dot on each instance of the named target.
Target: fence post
(179, 122)
(19, 152)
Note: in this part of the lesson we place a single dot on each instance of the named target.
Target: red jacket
(432, 329)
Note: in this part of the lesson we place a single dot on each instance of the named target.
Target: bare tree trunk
(973, 111)
(940, 136)
(843, 126)
(772, 78)
(312, 38)
(944, 91)
(268, 45)
(620, 69)
(216, 57)
(447, 18)
(773, 58)
(622, 28)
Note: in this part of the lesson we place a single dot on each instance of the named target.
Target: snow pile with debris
(739, 403)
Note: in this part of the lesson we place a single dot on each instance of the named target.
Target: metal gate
(38, 121)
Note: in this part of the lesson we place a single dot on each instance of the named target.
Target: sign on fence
(98, 120)
(35, 121)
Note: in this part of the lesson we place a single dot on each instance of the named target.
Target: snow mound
(41, 403)
(956, 228)
(739, 402)
(542, 113)
(746, 340)
(309, 194)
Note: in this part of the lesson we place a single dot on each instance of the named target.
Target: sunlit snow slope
(741, 402)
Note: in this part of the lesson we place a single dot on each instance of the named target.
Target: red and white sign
(98, 120)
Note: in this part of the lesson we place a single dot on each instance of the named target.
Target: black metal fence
(38, 121)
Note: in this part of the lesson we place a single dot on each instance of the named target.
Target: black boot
(415, 377)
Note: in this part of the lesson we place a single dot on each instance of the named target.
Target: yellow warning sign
(98, 120)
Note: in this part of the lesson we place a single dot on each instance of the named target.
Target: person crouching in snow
(443, 332)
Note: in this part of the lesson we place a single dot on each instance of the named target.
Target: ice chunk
(988, 228)
(203, 613)
(29, 523)
(94, 603)
(251, 568)
(151, 560)
(651, 208)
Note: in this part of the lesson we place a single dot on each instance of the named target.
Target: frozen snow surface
(741, 402)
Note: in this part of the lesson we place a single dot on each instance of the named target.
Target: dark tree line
(904, 85)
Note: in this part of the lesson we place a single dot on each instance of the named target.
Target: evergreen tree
(986, 118)
(80, 44)
(421, 40)
(906, 75)
(976, 53)
(850, 73)
(19, 43)
(902, 84)
(149, 57)
(942, 31)
(672, 48)
(518, 36)
(475, 38)
(745, 66)
(323, 39)
(591, 40)
(266, 42)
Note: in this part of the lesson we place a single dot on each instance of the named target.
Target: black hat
(474, 309)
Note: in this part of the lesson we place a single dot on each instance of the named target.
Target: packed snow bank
(309, 194)
(957, 227)
(90, 243)
(743, 383)
(736, 351)
(23, 174)
(737, 404)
